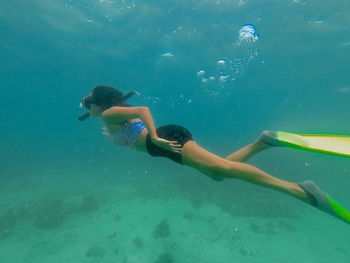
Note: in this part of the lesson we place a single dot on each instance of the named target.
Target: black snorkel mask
(86, 103)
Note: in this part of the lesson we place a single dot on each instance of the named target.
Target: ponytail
(132, 93)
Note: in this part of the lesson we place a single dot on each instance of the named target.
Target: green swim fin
(323, 143)
(324, 202)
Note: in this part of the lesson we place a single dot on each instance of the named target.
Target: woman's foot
(324, 202)
(269, 139)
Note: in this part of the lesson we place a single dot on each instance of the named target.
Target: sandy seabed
(127, 224)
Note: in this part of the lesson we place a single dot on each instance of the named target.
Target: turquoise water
(69, 195)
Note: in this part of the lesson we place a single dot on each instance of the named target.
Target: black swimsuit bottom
(170, 133)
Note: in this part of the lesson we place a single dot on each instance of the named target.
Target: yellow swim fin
(323, 143)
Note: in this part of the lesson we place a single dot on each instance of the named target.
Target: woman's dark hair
(108, 97)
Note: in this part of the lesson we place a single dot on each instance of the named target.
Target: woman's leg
(248, 151)
(210, 164)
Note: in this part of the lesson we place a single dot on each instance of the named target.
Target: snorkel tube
(83, 116)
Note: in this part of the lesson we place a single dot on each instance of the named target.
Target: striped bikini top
(128, 135)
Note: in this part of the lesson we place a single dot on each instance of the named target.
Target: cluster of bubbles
(248, 34)
(227, 70)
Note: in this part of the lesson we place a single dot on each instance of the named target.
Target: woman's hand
(172, 146)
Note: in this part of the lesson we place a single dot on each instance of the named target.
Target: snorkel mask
(86, 103)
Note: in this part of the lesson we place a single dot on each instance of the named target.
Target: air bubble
(200, 73)
(248, 34)
(221, 62)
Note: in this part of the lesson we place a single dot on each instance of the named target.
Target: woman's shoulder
(113, 114)
(120, 110)
(111, 110)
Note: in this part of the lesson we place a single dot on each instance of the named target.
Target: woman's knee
(212, 172)
(218, 167)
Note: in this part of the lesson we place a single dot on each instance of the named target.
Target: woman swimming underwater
(134, 127)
